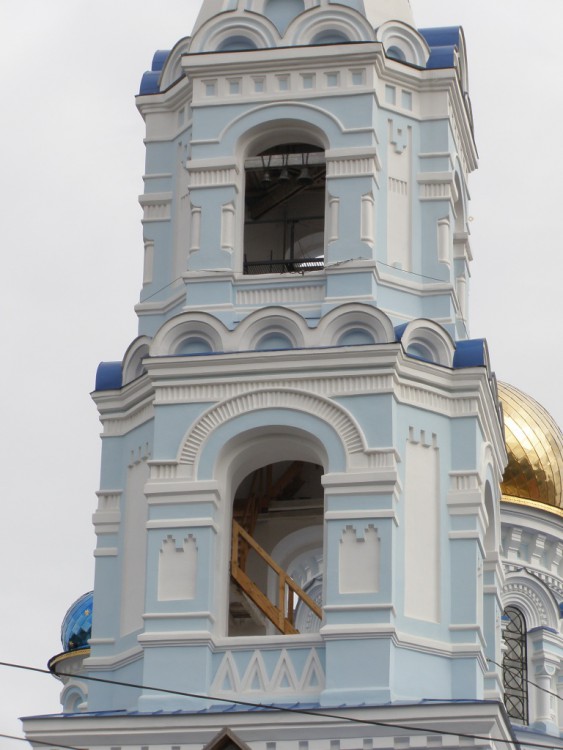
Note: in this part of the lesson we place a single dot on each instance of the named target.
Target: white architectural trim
(271, 398)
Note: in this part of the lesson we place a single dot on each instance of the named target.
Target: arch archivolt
(257, 29)
(409, 42)
(354, 316)
(132, 361)
(434, 341)
(186, 326)
(324, 409)
(272, 320)
(532, 599)
(264, 121)
(353, 25)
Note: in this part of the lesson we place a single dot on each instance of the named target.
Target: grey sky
(71, 166)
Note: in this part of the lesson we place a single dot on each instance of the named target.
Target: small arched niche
(285, 188)
(193, 345)
(330, 36)
(277, 532)
(236, 43)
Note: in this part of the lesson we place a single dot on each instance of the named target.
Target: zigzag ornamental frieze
(338, 386)
(284, 678)
(272, 398)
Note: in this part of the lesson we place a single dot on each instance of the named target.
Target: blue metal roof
(108, 376)
(443, 43)
(471, 353)
(236, 708)
(150, 82)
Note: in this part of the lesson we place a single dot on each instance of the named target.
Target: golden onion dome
(534, 443)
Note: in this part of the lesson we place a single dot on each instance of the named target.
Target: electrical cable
(39, 742)
(286, 709)
(529, 682)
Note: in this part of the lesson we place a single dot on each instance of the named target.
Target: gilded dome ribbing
(534, 443)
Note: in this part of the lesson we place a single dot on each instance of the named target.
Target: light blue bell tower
(302, 449)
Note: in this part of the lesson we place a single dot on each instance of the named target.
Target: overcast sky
(70, 173)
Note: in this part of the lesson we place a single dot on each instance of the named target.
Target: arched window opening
(330, 37)
(395, 53)
(514, 665)
(274, 341)
(237, 43)
(418, 350)
(194, 345)
(285, 210)
(356, 337)
(276, 553)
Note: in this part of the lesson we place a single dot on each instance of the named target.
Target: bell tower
(302, 449)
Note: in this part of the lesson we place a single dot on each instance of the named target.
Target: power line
(527, 681)
(38, 742)
(284, 709)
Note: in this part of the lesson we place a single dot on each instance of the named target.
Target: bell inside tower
(277, 551)
(285, 210)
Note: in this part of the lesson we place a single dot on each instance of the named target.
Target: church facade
(304, 538)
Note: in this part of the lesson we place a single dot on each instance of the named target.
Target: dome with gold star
(77, 624)
(534, 443)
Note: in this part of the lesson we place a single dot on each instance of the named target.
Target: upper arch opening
(285, 185)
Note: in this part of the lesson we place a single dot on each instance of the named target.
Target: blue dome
(77, 624)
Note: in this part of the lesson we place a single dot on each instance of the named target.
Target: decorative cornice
(359, 166)
(212, 177)
(156, 206)
(327, 387)
(117, 661)
(121, 424)
(302, 291)
(107, 517)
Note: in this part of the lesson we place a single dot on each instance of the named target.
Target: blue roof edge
(471, 353)
(150, 82)
(108, 376)
(443, 42)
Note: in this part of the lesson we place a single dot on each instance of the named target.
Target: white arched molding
(321, 408)
(271, 320)
(301, 554)
(172, 70)
(132, 367)
(270, 131)
(429, 339)
(345, 318)
(185, 326)
(74, 696)
(346, 22)
(409, 42)
(257, 29)
(532, 598)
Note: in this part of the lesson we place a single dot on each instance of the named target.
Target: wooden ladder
(282, 612)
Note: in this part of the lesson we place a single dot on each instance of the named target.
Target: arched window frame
(515, 664)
